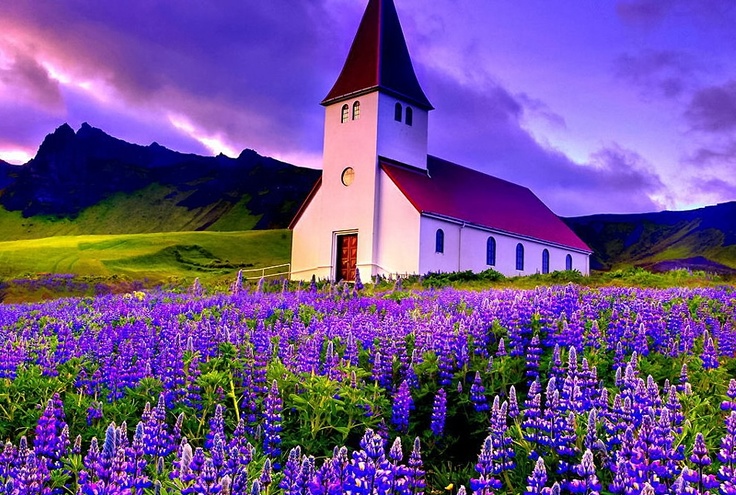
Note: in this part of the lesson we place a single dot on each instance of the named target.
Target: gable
(456, 192)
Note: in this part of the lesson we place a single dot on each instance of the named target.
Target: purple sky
(619, 106)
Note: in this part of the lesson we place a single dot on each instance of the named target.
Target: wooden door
(347, 255)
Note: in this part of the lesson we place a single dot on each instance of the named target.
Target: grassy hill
(160, 257)
(702, 239)
(87, 182)
(155, 208)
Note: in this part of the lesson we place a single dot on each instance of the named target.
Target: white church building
(384, 206)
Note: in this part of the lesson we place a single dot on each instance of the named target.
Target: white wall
(310, 254)
(397, 247)
(397, 140)
(465, 249)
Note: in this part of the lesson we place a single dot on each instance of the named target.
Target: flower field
(308, 390)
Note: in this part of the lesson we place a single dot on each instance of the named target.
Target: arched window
(409, 116)
(545, 261)
(439, 241)
(491, 252)
(520, 257)
(568, 262)
(345, 114)
(397, 112)
(356, 110)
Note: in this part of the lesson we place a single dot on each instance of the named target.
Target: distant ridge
(88, 182)
(78, 182)
(701, 239)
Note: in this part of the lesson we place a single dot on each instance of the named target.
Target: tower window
(568, 262)
(439, 241)
(520, 257)
(397, 112)
(545, 261)
(491, 252)
(356, 110)
(409, 116)
(345, 114)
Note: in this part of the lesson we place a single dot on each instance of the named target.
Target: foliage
(198, 390)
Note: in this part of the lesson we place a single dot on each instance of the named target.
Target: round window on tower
(348, 175)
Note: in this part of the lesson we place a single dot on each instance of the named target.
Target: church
(385, 207)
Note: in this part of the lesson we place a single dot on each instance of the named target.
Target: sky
(615, 106)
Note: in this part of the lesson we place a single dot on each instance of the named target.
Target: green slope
(211, 256)
(153, 209)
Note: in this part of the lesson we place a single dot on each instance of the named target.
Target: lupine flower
(709, 356)
(217, 427)
(402, 405)
(272, 422)
(538, 479)
(533, 354)
(587, 481)
(478, 394)
(49, 443)
(414, 471)
(439, 411)
(513, 403)
(290, 482)
(485, 483)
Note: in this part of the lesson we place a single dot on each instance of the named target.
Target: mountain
(87, 182)
(6, 174)
(702, 239)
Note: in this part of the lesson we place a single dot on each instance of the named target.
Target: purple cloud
(28, 80)
(713, 109)
(485, 120)
(665, 72)
(654, 11)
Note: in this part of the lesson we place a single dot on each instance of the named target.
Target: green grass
(152, 209)
(211, 256)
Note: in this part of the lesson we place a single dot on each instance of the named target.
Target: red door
(347, 254)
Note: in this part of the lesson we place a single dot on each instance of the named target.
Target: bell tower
(376, 109)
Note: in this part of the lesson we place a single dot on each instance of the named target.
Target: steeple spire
(379, 59)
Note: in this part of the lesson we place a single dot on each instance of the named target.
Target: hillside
(88, 182)
(702, 239)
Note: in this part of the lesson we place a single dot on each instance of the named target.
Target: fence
(262, 272)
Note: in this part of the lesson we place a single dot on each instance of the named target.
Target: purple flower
(50, 444)
(478, 394)
(485, 483)
(272, 422)
(402, 405)
(439, 411)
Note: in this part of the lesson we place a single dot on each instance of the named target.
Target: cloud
(665, 73)
(715, 156)
(240, 70)
(716, 188)
(649, 12)
(25, 78)
(485, 120)
(713, 109)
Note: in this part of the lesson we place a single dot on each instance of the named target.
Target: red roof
(379, 59)
(463, 194)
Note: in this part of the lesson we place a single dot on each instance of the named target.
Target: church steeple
(379, 60)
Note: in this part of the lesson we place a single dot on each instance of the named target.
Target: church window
(439, 241)
(568, 262)
(545, 261)
(397, 112)
(409, 116)
(491, 252)
(520, 257)
(348, 176)
(345, 114)
(356, 110)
